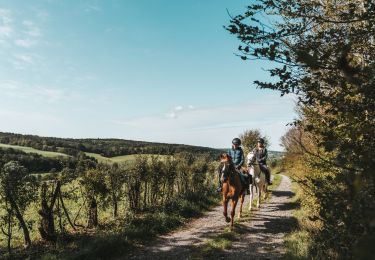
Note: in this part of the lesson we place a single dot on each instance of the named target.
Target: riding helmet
(261, 140)
(236, 141)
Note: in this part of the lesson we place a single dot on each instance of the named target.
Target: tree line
(104, 147)
(323, 53)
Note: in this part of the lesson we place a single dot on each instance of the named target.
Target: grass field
(102, 159)
(32, 150)
(119, 159)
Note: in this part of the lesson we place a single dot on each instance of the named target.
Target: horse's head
(225, 158)
(251, 158)
(226, 166)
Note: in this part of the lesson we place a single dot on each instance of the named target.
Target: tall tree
(19, 190)
(324, 53)
(250, 138)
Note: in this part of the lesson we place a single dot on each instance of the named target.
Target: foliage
(332, 144)
(32, 161)
(104, 147)
(250, 138)
(130, 202)
(17, 189)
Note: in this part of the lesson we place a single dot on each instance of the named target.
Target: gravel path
(260, 238)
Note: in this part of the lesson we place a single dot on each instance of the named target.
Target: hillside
(103, 147)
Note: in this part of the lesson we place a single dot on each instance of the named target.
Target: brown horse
(232, 187)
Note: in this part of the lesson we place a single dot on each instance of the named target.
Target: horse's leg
(234, 204)
(251, 197)
(225, 204)
(259, 194)
(265, 191)
(242, 200)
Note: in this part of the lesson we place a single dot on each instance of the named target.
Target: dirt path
(259, 238)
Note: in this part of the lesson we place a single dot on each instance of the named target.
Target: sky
(150, 70)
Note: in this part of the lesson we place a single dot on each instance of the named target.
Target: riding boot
(268, 177)
(249, 180)
(219, 188)
(266, 171)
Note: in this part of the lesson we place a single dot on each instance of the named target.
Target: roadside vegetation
(74, 207)
(323, 53)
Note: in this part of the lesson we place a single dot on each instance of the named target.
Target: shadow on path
(259, 235)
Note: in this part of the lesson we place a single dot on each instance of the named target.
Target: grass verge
(297, 242)
(113, 240)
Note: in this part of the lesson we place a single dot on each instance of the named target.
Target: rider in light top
(261, 155)
(237, 155)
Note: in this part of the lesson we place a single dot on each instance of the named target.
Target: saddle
(245, 178)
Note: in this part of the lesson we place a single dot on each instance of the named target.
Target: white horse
(258, 179)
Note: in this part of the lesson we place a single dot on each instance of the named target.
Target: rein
(228, 170)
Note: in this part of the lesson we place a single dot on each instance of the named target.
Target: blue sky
(160, 70)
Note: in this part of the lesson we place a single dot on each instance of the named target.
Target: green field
(100, 158)
(119, 159)
(32, 150)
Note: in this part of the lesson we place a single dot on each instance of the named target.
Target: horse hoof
(227, 219)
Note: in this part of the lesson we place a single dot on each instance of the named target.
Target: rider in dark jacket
(261, 155)
(237, 155)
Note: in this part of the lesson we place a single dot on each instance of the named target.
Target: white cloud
(216, 125)
(23, 34)
(26, 43)
(92, 8)
(41, 13)
(22, 61)
(31, 29)
(6, 29)
(34, 93)
(25, 58)
(177, 110)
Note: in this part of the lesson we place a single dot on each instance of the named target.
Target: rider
(237, 155)
(261, 155)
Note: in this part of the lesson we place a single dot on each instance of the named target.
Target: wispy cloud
(177, 110)
(19, 90)
(31, 29)
(29, 35)
(22, 60)
(6, 29)
(26, 43)
(92, 8)
(214, 125)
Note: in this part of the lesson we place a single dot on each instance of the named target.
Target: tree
(47, 224)
(7, 221)
(324, 52)
(18, 190)
(114, 178)
(93, 181)
(250, 138)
